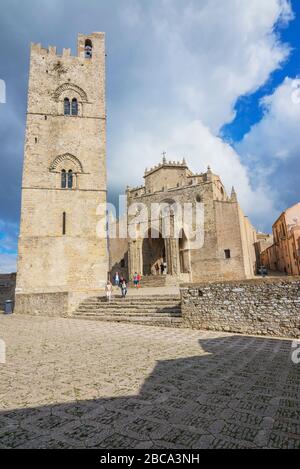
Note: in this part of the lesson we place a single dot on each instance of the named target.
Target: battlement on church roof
(166, 164)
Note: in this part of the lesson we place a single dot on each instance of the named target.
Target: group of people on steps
(120, 281)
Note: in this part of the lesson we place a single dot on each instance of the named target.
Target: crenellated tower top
(166, 164)
(86, 46)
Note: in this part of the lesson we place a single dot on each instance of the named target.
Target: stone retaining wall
(52, 303)
(7, 288)
(259, 307)
(44, 304)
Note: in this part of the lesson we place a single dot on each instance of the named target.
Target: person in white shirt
(108, 290)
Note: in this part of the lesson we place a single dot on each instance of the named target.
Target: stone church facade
(228, 248)
(61, 258)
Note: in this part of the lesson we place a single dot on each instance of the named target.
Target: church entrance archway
(154, 254)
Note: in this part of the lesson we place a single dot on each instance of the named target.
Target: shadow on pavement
(243, 393)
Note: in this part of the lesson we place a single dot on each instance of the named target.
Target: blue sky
(248, 107)
(213, 81)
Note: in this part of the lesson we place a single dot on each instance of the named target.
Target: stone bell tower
(62, 259)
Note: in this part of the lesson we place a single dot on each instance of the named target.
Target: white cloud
(276, 137)
(271, 149)
(8, 263)
(201, 148)
(8, 247)
(216, 51)
(197, 59)
(174, 72)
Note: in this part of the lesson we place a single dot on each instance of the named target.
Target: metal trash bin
(8, 307)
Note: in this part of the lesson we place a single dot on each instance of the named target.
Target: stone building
(7, 288)
(284, 255)
(227, 250)
(264, 241)
(61, 257)
(268, 258)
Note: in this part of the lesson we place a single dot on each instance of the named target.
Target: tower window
(63, 179)
(74, 107)
(70, 179)
(227, 254)
(67, 108)
(64, 220)
(88, 48)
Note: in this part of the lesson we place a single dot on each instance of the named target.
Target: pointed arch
(66, 157)
(72, 87)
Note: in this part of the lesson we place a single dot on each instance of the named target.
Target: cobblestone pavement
(81, 384)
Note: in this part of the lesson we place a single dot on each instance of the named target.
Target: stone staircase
(150, 281)
(164, 310)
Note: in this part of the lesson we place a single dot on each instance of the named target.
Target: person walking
(135, 279)
(108, 290)
(138, 278)
(117, 279)
(124, 288)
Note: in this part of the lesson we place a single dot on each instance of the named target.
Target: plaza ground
(70, 383)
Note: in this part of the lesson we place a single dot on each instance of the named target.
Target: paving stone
(71, 383)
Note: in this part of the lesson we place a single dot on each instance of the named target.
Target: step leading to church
(147, 310)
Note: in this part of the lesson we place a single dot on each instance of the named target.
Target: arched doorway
(184, 254)
(154, 254)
